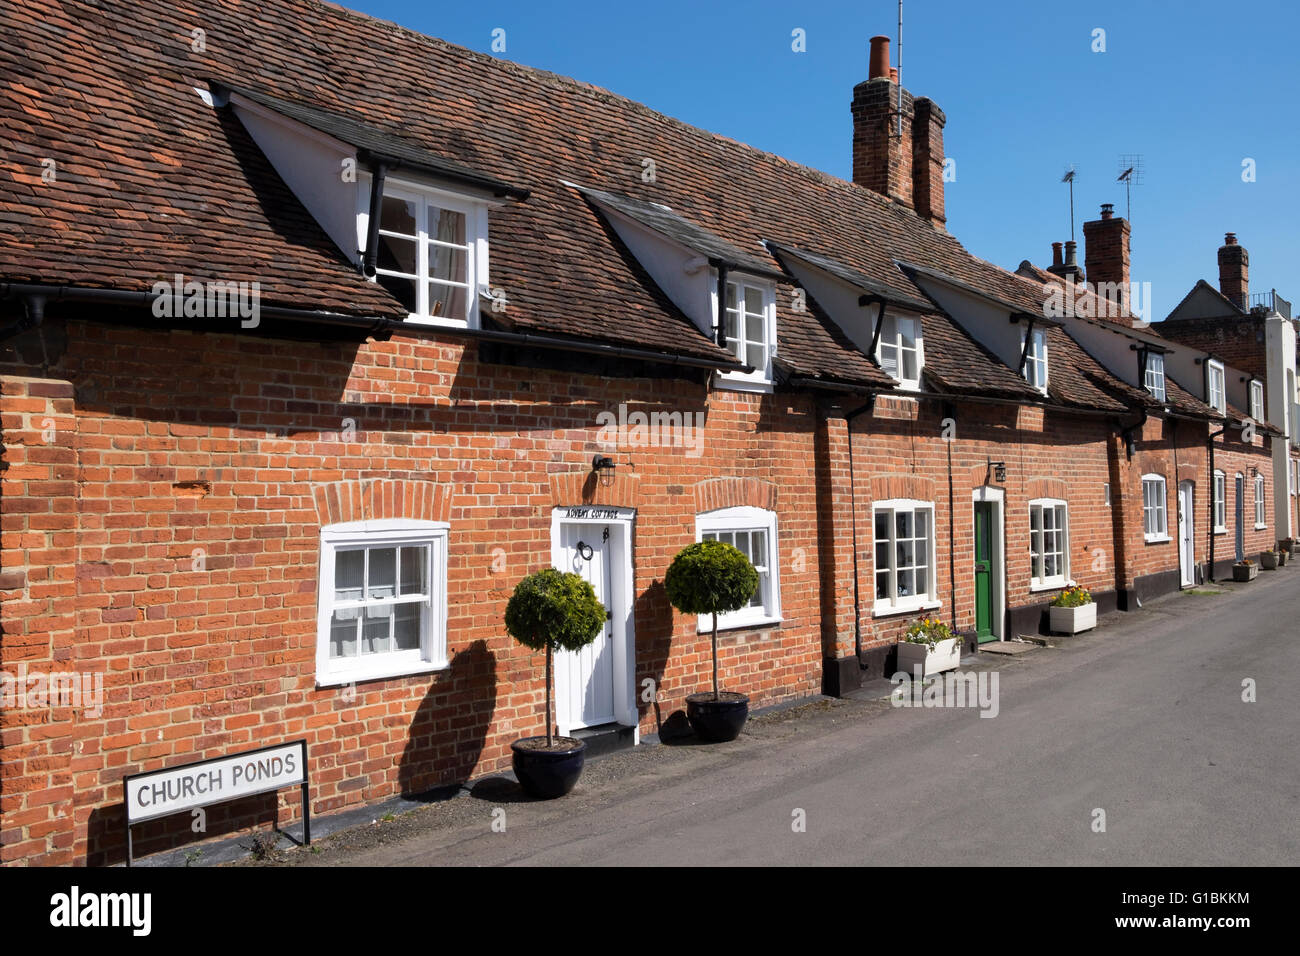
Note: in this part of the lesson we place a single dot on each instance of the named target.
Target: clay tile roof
(852, 276)
(374, 142)
(667, 223)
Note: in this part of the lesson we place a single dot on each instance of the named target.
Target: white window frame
(1037, 580)
(475, 212)
(1257, 400)
(1261, 508)
(1158, 509)
(1035, 371)
(893, 604)
(1216, 397)
(893, 343)
(759, 380)
(1219, 490)
(1153, 375)
(746, 518)
(432, 652)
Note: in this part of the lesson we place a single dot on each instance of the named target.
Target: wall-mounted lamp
(1254, 471)
(999, 469)
(603, 466)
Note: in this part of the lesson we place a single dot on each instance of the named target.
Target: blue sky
(1196, 88)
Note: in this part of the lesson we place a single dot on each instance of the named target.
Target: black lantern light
(603, 466)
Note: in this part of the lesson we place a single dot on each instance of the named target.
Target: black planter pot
(547, 774)
(717, 721)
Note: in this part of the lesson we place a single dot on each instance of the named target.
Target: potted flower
(1283, 555)
(1288, 545)
(1072, 611)
(711, 577)
(1246, 570)
(1268, 560)
(551, 609)
(929, 646)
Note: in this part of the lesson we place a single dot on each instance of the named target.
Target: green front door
(984, 571)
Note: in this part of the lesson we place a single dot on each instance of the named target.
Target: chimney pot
(1056, 254)
(1071, 253)
(1229, 238)
(1107, 210)
(879, 58)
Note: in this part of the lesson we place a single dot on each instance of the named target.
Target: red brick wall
(165, 449)
(903, 453)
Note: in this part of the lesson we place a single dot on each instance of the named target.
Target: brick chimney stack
(1234, 271)
(882, 160)
(908, 168)
(1106, 252)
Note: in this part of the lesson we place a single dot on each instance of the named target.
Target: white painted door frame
(998, 605)
(622, 524)
(1187, 533)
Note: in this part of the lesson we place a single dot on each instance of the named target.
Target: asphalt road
(1142, 719)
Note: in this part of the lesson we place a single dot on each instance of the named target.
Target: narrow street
(1142, 719)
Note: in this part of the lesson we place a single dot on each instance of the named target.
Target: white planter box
(946, 656)
(1072, 620)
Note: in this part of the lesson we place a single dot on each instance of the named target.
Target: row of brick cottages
(306, 523)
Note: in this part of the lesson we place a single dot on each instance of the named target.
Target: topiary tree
(710, 577)
(554, 609)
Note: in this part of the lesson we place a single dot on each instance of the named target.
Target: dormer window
(431, 251)
(1215, 388)
(1036, 359)
(1153, 376)
(749, 327)
(1257, 400)
(900, 351)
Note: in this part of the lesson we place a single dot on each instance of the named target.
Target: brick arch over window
(714, 493)
(582, 487)
(370, 499)
(884, 487)
(1189, 470)
(1045, 488)
(1152, 463)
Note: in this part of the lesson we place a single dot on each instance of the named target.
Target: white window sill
(736, 382)
(361, 674)
(1050, 584)
(1157, 538)
(890, 610)
(1220, 530)
(739, 624)
(1260, 527)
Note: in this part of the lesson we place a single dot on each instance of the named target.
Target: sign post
(160, 793)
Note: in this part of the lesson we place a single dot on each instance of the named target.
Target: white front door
(1186, 548)
(593, 686)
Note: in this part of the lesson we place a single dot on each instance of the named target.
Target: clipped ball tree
(710, 577)
(554, 610)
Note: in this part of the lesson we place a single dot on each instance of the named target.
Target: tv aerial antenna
(1069, 177)
(1130, 174)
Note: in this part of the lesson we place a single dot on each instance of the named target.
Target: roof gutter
(372, 325)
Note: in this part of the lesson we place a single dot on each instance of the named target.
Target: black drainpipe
(950, 411)
(34, 317)
(378, 172)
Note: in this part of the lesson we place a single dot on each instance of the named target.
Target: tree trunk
(548, 696)
(716, 695)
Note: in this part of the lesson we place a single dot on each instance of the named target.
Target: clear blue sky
(1194, 87)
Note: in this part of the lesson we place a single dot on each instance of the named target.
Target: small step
(606, 738)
